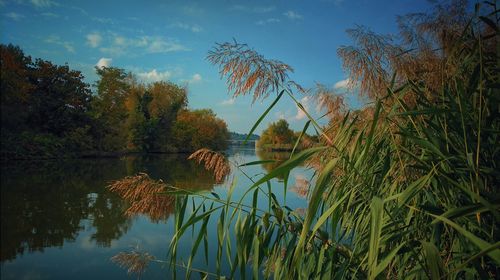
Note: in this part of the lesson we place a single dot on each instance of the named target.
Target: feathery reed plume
(329, 100)
(134, 261)
(248, 71)
(213, 161)
(145, 196)
(301, 187)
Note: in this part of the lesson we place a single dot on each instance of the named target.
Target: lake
(59, 221)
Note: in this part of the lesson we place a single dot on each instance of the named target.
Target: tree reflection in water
(47, 203)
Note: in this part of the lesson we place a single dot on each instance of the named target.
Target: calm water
(58, 220)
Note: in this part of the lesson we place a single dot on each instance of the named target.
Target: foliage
(196, 129)
(41, 104)
(47, 111)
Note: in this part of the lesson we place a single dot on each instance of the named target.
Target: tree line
(48, 111)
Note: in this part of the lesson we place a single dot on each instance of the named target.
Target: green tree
(109, 108)
(152, 112)
(277, 136)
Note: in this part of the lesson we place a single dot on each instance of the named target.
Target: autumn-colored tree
(199, 128)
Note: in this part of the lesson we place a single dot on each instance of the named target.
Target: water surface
(59, 221)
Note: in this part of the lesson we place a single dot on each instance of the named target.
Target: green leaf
(257, 162)
(432, 259)
(263, 116)
(483, 245)
(377, 215)
(326, 215)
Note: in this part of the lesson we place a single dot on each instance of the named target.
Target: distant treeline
(48, 111)
(242, 137)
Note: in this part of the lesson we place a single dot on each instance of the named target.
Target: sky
(169, 40)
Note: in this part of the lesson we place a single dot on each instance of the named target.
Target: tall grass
(407, 188)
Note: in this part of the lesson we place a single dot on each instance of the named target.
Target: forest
(48, 111)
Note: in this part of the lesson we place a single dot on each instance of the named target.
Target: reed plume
(301, 187)
(134, 261)
(247, 71)
(213, 161)
(145, 196)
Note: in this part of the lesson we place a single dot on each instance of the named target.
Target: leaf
(432, 259)
(262, 117)
(387, 260)
(326, 215)
(314, 202)
(257, 162)
(483, 245)
(377, 214)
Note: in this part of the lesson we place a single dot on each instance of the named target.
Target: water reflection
(47, 203)
(278, 157)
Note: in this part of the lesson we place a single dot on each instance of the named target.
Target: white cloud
(191, 27)
(228, 102)
(104, 62)
(159, 45)
(120, 45)
(53, 39)
(195, 79)
(94, 39)
(267, 21)
(154, 76)
(14, 16)
(293, 15)
(343, 84)
(43, 3)
(300, 113)
(120, 41)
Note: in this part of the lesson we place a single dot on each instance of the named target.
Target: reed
(405, 188)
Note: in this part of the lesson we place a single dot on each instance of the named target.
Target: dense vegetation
(48, 111)
(407, 187)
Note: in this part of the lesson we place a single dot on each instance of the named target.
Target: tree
(152, 112)
(109, 108)
(199, 128)
(277, 136)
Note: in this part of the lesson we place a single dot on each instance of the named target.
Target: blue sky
(169, 40)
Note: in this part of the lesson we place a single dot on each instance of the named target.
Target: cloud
(300, 113)
(228, 102)
(267, 21)
(14, 16)
(159, 45)
(195, 79)
(43, 3)
(120, 45)
(256, 10)
(154, 76)
(104, 62)
(343, 84)
(94, 39)
(103, 20)
(53, 39)
(191, 27)
(293, 15)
